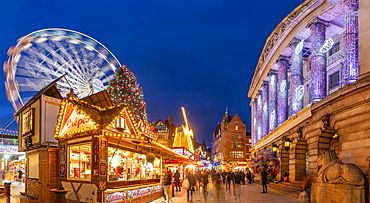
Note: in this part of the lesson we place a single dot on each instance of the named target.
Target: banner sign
(147, 130)
(157, 188)
(115, 197)
(75, 122)
(139, 192)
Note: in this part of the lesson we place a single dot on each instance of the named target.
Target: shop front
(107, 156)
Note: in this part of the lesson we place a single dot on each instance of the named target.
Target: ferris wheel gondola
(45, 55)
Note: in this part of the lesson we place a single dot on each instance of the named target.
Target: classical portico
(304, 75)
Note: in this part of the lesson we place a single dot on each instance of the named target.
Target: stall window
(80, 161)
(28, 120)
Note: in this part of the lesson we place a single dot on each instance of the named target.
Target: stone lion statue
(335, 171)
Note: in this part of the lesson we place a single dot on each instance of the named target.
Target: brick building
(166, 131)
(229, 140)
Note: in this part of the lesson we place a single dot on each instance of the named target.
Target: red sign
(148, 130)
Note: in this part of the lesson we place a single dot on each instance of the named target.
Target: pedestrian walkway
(249, 193)
(15, 188)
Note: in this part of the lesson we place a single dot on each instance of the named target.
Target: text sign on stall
(147, 130)
(75, 122)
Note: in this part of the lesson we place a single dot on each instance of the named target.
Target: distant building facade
(229, 140)
(166, 131)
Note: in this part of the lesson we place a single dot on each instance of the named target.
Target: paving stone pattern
(249, 193)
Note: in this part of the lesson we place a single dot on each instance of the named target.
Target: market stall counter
(105, 155)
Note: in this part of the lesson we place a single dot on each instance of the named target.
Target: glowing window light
(328, 44)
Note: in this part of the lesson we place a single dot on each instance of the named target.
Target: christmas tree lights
(125, 90)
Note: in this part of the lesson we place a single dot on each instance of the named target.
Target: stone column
(296, 79)
(350, 42)
(317, 61)
(265, 109)
(272, 100)
(282, 90)
(254, 122)
(259, 116)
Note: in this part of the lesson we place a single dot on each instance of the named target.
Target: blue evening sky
(200, 54)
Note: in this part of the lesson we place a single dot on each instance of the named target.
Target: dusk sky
(200, 55)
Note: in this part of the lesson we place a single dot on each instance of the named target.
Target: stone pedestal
(336, 193)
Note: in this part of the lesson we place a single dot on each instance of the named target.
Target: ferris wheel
(45, 55)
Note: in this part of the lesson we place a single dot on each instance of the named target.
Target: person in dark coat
(192, 183)
(229, 178)
(249, 177)
(204, 184)
(264, 180)
(176, 177)
(243, 177)
(237, 190)
(167, 184)
(223, 174)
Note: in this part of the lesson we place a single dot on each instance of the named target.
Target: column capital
(294, 41)
(273, 72)
(283, 58)
(316, 20)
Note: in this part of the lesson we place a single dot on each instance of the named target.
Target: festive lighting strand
(259, 117)
(317, 63)
(282, 94)
(350, 44)
(272, 101)
(255, 131)
(296, 79)
(265, 112)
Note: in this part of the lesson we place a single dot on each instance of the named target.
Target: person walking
(204, 184)
(249, 177)
(167, 184)
(192, 183)
(243, 177)
(162, 184)
(216, 179)
(223, 174)
(228, 180)
(237, 190)
(264, 180)
(176, 177)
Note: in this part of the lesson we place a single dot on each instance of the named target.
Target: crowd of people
(195, 179)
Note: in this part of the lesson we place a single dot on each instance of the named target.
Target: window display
(80, 161)
(125, 165)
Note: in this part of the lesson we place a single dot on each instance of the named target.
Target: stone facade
(340, 120)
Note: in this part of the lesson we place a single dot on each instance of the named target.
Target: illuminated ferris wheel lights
(27, 46)
(112, 66)
(74, 41)
(16, 58)
(101, 55)
(88, 47)
(57, 38)
(41, 39)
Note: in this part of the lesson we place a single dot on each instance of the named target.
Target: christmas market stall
(106, 155)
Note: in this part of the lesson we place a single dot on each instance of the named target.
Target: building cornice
(289, 24)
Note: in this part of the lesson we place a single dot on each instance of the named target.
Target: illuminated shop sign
(75, 122)
(147, 130)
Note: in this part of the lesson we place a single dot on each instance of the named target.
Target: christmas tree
(124, 90)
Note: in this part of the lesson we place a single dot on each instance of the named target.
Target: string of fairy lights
(319, 46)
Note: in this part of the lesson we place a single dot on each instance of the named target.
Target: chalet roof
(49, 90)
(100, 99)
